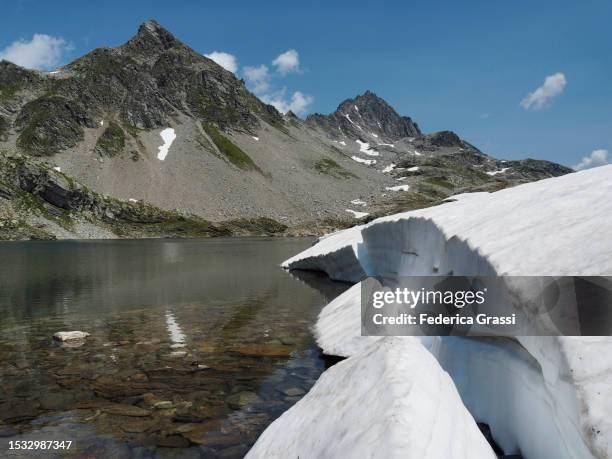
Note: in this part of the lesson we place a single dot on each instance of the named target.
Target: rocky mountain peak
(365, 115)
(152, 38)
(143, 84)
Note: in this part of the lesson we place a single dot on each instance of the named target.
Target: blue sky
(459, 65)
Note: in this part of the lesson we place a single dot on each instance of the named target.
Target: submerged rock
(294, 391)
(265, 350)
(242, 399)
(163, 405)
(70, 335)
(126, 410)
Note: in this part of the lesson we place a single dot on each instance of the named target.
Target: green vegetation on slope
(112, 140)
(8, 91)
(232, 152)
(330, 167)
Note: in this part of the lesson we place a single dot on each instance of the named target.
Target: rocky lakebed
(177, 378)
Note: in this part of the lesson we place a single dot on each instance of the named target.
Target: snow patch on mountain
(398, 188)
(357, 214)
(364, 147)
(348, 117)
(368, 162)
(168, 136)
(500, 171)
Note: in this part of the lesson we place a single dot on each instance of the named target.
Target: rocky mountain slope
(154, 121)
(37, 202)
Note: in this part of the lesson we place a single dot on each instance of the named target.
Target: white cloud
(596, 158)
(553, 86)
(42, 52)
(258, 78)
(226, 60)
(287, 62)
(298, 104)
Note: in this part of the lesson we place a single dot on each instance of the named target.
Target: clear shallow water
(195, 347)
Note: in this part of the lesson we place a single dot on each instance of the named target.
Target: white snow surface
(368, 162)
(398, 188)
(359, 202)
(519, 231)
(57, 168)
(168, 135)
(554, 227)
(351, 121)
(389, 168)
(255, 138)
(482, 370)
(392, 400)
(413, 169)
(357, 214)
(497, 172)
(364, 147)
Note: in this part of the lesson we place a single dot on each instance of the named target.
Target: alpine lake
(194, 346)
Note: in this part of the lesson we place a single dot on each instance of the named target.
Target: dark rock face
(366, 114)
(50, 123)
(444, 142)
(443, 139)
(4, 128)
(14, 78)
(142, 84)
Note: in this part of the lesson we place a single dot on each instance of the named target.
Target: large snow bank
(336, 255)
(392, 400)
(168, 136)
(499, 381)
(554, 227)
